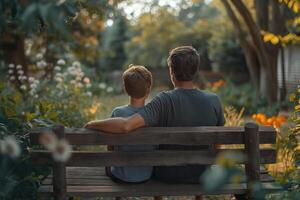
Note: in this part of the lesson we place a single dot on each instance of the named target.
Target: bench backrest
(250, 137)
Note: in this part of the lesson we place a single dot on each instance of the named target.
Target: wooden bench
(84, 175)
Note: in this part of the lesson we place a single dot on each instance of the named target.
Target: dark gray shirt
(178, 108)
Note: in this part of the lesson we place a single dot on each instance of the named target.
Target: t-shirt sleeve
(115, 113)
(152, 112)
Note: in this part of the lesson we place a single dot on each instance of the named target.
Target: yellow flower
(292, 97)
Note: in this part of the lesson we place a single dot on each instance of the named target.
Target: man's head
(183, 63)
(137, 81)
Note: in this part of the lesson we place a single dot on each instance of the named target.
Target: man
(182, 106)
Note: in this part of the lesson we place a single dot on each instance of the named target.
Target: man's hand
(118, 124)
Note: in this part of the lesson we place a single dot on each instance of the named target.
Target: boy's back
(130, 174)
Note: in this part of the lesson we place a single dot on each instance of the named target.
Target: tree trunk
(14, 48)
(247, 47)
(267, 89)
(262, 13)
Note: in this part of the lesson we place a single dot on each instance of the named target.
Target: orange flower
(275, 121)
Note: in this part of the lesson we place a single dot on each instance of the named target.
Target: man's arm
(118, 124)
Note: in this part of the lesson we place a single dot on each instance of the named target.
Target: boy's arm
(118, 124)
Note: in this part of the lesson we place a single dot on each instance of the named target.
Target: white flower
(73, 82)
(49, 140)
(24, 78)
(39, 56)
(62, 151)
(102, 85)
(88, 85)
(59, 79)
(19, 66)
(11, 66)
(10, 147)
(19, 77)
(33, 86)
(23, 87)
(2, 147)
(31, 79)
(10, 71)
(41, 64)
(32, 92)
(89, 94)
(60, 2)
(86, 80)
(79, 85)
(21, 72)
(76, 64)
(110, 89)
(36, 96)
(59, 74)
(78, 78)
(12, 78)
(37, 82)
(71, 70)
(57, 68)
(61, 62)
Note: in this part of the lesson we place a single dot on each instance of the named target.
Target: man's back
(181, 108)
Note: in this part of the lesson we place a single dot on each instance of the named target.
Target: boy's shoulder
(123, 111)
(119, 109)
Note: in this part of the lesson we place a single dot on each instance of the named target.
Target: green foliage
(114, 55)
(226, 51)
(289, 155)
(154, 34)
(65, 100)
(243, 96)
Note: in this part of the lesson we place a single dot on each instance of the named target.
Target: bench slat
(162, 135)
(155, 158)
(151, 189)
(104, 180)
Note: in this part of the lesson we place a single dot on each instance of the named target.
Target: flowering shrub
(56, 93)
(275, 121)
(286, 170)
(242, 96)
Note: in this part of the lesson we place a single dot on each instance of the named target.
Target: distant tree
(261, 58)
(114, 39)
(155, 33)
(52, 19)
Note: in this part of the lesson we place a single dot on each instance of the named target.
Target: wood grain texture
(59, 170)
(162, 135)
(152, 189)
(95, 176)
(155, 158)
(252, 156)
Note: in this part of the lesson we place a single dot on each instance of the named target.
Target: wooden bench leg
(199, 197)
(158, 198)
(118, 198)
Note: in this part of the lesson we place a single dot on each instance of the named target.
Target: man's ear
(172, 76)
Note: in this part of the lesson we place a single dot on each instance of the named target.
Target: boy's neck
(137, 103)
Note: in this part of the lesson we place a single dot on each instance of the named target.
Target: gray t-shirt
(130, 174)
(179, 108)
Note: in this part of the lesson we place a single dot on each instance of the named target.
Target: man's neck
(184, 84)
(137, 103)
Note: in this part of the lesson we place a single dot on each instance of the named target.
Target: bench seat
(92, 181)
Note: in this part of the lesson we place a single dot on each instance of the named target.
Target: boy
(137, 81)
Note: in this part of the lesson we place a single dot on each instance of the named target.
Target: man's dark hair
(184, 62)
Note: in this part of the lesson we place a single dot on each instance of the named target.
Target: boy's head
(137, 81)
(184, 63)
